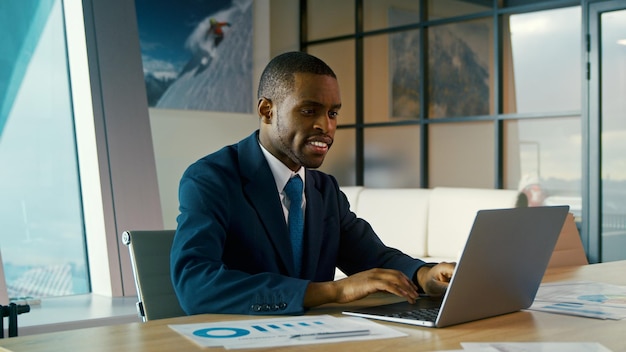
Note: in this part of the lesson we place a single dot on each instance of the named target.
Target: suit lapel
(260, 189)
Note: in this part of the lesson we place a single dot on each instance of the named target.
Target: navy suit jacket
(232, 252)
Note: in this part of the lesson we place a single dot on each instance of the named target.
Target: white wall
(120, 190)
(181, 137)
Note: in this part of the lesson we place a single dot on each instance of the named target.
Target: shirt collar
(281, 172)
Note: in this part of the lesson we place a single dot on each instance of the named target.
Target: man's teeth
(319, 144)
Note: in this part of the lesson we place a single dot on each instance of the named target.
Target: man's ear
(264, 109)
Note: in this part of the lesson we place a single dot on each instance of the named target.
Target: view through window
(544, 155)
(42, 238)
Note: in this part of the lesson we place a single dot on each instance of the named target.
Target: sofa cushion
(398, 216)
(352, 193)
(451, 214)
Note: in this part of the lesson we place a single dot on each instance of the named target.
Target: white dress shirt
(282, 174)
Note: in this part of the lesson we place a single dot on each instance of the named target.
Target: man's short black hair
(278, 76)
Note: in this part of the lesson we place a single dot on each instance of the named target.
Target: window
(462, 93)
(544, 61)
(613, 160)
(42, 238)
(474, 84)
(544, 155)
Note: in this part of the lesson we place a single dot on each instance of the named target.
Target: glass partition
(329, 18)
(391, 13)
(391, 90)
(343, 66)
(451, 8)
(340, 160)
(392, 157)
(460, 69)
(461, 154)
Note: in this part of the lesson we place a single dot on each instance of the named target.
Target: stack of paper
(587, 299)
(284, 331)
(533, 347)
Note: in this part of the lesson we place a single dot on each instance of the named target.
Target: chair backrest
(150, 259)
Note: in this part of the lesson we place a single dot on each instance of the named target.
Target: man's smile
(320, 144)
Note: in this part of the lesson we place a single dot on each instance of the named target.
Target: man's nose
(325, 123)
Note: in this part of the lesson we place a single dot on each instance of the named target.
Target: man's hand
(360, 285)
(435, 279)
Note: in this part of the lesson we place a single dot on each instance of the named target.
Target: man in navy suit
(232, 251)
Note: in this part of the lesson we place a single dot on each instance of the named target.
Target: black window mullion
(498, 101)
(423, 87)
(359, 96)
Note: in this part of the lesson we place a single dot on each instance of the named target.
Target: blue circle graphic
(235, 332)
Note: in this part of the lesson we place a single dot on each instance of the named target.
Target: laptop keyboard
(425, 314)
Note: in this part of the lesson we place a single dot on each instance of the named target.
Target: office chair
(150, 259)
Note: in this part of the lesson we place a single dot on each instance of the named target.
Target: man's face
(300, 130)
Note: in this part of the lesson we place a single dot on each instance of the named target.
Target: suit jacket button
(265, 308)
(282, 306)
(256, 307)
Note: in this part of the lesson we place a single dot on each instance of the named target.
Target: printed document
(586, 299)
(284, 331)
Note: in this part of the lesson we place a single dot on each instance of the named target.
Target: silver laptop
(499, 271)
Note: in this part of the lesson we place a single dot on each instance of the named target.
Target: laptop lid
(500, 269)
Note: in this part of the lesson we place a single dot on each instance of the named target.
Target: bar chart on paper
(283, 331)
(587, 299)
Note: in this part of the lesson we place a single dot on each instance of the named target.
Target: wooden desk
(521, 326)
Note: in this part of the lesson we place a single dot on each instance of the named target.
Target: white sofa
(430, 224)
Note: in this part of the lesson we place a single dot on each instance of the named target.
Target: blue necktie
(293, 190)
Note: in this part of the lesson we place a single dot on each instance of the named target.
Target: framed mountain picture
(197, 54)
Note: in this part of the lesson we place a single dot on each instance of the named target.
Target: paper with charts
(533, 347)
(284, 331)
(587, 299)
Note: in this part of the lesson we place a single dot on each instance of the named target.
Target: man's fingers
(376, 280)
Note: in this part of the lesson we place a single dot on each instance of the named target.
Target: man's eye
(333, 114)
(308, 112)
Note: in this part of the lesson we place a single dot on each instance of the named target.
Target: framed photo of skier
(197, 54)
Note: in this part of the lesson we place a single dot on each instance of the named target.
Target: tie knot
(293, 189)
